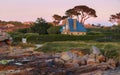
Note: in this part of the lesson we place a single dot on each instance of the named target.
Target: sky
(30, 10)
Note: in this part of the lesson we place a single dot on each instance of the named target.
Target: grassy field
(109, 49)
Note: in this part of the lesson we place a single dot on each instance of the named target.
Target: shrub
(54, 30)
(16, 36)
(40, 26)
(22, 30)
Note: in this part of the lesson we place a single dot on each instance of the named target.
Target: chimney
(74, 23)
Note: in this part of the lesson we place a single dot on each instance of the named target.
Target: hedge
(35, 38)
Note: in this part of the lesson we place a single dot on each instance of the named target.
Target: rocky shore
(19, 61)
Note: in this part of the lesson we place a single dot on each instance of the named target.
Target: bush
(22, 30)
(40, 26)
(54, 30)
(16, 36)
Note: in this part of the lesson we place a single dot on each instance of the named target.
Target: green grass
(27, 45)
(109, 49)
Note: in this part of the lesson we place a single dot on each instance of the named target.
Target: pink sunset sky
(30, 10)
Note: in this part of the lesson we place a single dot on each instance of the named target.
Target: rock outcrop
(5, 38)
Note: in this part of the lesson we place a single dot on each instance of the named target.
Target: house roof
(78, 28)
